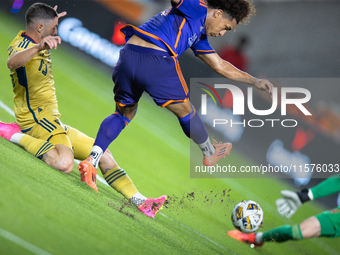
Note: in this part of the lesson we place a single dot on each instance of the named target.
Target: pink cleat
(151, 206)
(8, 129)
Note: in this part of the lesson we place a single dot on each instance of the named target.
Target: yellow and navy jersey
(33, 84)
(176, 29)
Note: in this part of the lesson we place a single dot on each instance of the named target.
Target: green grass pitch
(61, 215)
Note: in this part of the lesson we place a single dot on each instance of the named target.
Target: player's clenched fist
(49, 42)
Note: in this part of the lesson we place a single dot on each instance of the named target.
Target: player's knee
(310, 228)
(61, 158)
(66, 165)
(181, 109)
(128, 112)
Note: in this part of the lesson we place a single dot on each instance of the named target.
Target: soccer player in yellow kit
(38, 127)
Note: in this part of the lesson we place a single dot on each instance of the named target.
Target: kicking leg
(109, 130)
(114, 175)
(194, 128)
(118, 179)
(279, 235)
(83, 145)
(309, 228)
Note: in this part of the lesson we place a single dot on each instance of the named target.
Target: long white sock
(16, 137)
(137, 199)
(207, 148)
(258, 237)
(95, 154)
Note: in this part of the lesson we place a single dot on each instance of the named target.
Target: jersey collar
(26, 36)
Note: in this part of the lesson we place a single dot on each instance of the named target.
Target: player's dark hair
(240, 10)
(39, 11)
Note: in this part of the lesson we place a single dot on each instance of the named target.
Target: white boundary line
(6, 108)
(28, 246)
(8, 235)
(37, 250)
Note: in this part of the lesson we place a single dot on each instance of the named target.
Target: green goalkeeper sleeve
(327, 187)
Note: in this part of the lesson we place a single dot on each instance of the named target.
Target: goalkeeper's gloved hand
(291, 201)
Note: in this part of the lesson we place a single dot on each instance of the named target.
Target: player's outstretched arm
(229, 71)
(327, 187)
(291, 201)
(20, 58)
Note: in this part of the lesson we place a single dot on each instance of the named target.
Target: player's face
(51, 28)
(217, 24)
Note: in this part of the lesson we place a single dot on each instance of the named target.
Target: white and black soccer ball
(247, 216)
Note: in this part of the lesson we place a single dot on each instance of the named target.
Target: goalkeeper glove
(291, 201)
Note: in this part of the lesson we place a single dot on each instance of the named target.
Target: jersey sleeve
(191, 8)
(327, 187)
(19, 45)
(202, 46)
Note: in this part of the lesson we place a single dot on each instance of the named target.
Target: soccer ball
(247, 216)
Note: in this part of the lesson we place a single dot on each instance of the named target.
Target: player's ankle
(95, 155)
(137, 199)
(207, 148)
(258, 238)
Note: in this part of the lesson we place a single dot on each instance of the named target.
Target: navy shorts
(142, 69)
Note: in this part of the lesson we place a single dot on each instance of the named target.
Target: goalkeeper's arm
(291, 201)
(327, 187)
